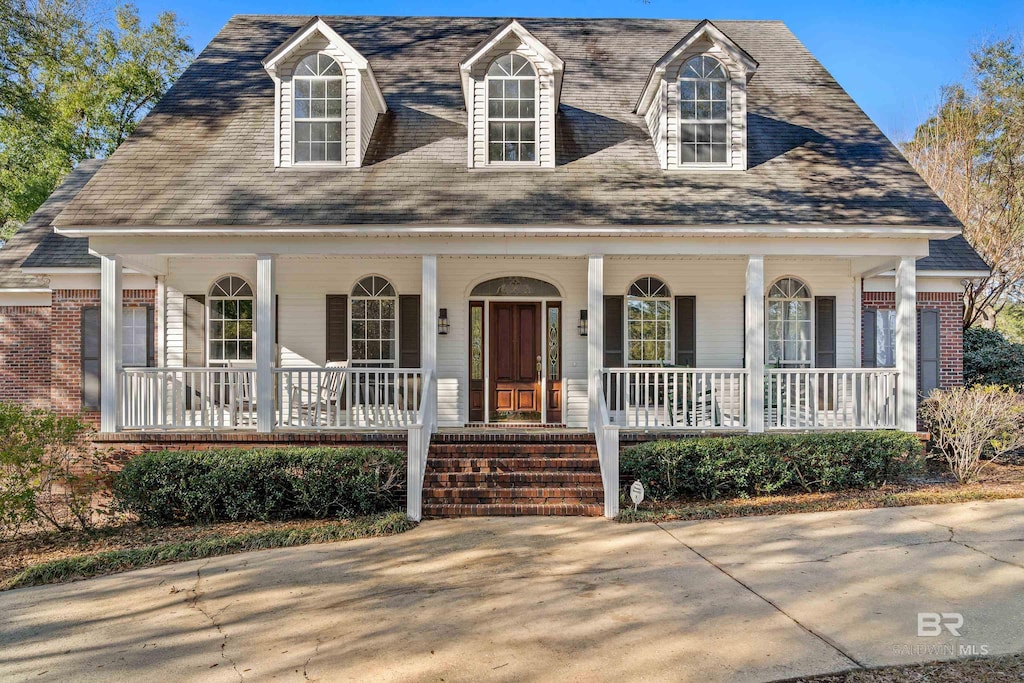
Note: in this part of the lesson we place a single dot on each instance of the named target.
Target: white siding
(355, 102)
(718, 285)
(546, 104)
(737, 108)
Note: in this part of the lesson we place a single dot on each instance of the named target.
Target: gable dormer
(511, 83)
(326, 99)
(695, 102)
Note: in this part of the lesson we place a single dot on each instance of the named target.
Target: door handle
(538, 365)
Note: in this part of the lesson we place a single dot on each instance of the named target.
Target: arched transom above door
(516, 286)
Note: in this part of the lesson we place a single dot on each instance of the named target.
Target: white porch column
(754, 322)
(906, 342)
(265, 323)
(595, 334)
(110, 342)
(428, 326)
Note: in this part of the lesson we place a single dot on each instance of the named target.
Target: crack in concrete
(963, 544)
(193, 602)
(824, 639)
(305, 665)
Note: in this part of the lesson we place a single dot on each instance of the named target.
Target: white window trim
(680, 121)
(368, 363)
(147, 341)
(811, 362)
(344, 107)
(536, 116)
(223, 362)
(671, 324)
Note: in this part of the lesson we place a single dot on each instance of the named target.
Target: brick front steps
(526, 473)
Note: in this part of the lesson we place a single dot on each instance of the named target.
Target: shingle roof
(204, 155)
(36, 244)
(952, 254)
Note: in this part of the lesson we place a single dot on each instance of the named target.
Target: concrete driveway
(547, 599)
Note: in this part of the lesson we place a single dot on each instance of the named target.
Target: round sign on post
(636, 492)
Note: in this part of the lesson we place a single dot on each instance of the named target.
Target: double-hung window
(649, 323)
(511, 110)
(703, 112)
(319, 86)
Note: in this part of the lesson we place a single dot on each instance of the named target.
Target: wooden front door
(515, 361)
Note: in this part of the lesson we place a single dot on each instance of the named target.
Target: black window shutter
(337, 327)
(869, 330)
(150, 340)
(928, 356)
(824, 331)
(614, 345)
(195, 330)
(409, 331)
(90, 339)
(686, 331)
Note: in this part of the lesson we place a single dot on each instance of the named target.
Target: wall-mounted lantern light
(442, 321)
(583, 323)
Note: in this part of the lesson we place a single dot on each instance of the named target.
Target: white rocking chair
(319, 406)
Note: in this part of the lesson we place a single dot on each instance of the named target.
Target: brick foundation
(950, 306)
(66, 345)
(25, 355)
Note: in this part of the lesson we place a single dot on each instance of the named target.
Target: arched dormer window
(511, 110)
(230, 320)
(649, 323)
(788, 315)
(703, 112)
(374, 311)
(319, 113)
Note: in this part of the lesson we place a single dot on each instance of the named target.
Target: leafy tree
(971, 152)
(989, 358)
(73, 85)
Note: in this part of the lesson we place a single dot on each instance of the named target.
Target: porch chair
(240, 398)
(315, 407)
(698, 409)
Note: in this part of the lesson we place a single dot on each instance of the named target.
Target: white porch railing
(817, 398)
(607, 436)
(349, 398)
(676, 398)
(171, 398)
(417, 449)
(306, 398)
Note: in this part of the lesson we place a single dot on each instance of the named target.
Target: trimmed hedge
(261, 484)
(725, 467)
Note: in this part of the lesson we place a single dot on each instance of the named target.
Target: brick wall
(950, 306)
(25, 355)
(66, 348)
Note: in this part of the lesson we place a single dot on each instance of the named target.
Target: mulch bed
(989, 670)
(998, 481)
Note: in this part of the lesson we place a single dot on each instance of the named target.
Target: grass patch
(1004, 481)
(81, 566)
(981, 670)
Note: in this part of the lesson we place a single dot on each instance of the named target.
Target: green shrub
(260, 484)
(724, 467)
(990, 358)
(48, 473)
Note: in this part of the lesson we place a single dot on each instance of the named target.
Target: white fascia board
(215, 246)
(513, 26)
(316, 25)
(553, 230)
(940, 273)
(705, 29)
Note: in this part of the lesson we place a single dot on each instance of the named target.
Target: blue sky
(892, 57)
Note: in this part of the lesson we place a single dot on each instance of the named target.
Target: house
(444, 231)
